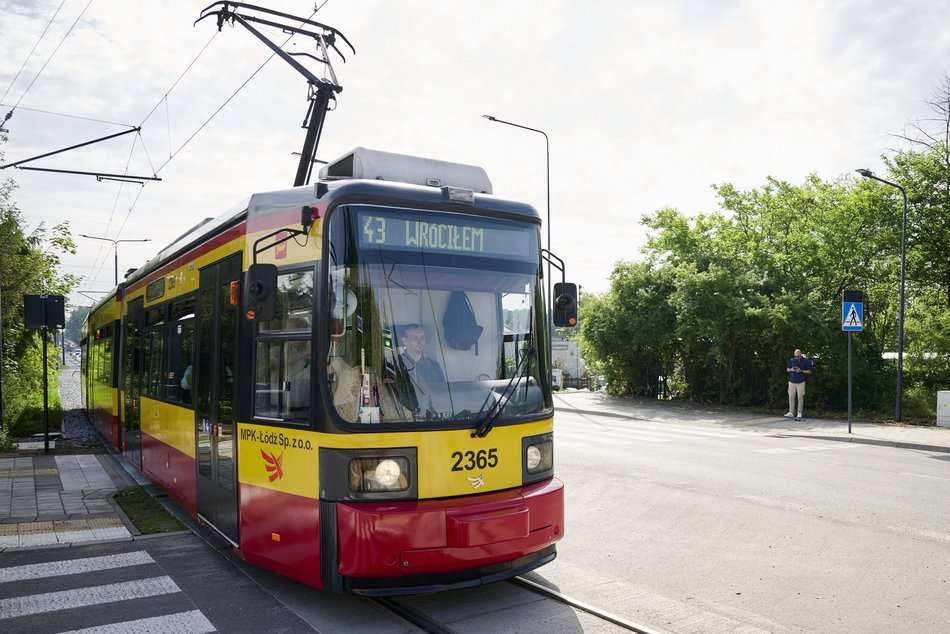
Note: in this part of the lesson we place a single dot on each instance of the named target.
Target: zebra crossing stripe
(74, 566)
(193, 622)
(651, 434)
(679, 433)
(836, 446)
(95, 595)
(586, 437)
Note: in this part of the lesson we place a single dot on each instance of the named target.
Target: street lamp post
(115, 248)
(547, 149)
(866, 173)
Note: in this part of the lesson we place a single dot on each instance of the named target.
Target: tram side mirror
(260, 292)
(565, 304)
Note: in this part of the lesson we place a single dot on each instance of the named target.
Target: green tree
(740, 289)
(724, 298)
(74, 323)
(629, 332)
(30, 266)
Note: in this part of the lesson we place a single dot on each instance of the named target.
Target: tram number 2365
(471, 460)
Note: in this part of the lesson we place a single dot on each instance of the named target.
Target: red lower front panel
(396, 539)
(281, 532)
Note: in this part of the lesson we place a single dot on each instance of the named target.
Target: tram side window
(93, 370)
(100, 359)
(105, 370)
(284, 363)
(95, 360)
(153, 352)
(283, 387)
(294, 300)
(180, 358)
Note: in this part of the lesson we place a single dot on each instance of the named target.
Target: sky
(646, 104)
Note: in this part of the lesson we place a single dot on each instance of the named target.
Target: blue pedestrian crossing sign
(852, 311)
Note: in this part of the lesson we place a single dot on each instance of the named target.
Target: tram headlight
(538, 454)
(382, 473)
(533, 458)
(388, 473)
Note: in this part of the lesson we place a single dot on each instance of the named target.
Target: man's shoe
(789, 415)
(799, 417)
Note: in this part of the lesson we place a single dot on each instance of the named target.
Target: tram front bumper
(471, 535)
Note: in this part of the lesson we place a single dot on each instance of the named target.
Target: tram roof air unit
(388, 166)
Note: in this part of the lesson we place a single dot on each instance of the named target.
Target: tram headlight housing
(379, 474)
(369, 473)
(538, 457)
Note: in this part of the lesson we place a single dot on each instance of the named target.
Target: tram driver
(427, 390)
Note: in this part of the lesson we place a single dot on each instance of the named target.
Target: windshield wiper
(498, 406)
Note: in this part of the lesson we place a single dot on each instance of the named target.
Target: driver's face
(416, 340)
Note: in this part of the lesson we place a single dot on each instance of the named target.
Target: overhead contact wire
(226, 102)
(48, 59)
(30, 56)
(172, 155)
(175, 83)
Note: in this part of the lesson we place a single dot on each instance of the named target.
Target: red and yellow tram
(349, 382)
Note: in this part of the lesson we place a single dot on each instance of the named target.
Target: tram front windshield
(435, 318)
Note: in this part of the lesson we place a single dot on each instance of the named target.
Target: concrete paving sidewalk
(671, 412)
(58, 500)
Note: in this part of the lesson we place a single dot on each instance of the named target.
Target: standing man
(798, 369)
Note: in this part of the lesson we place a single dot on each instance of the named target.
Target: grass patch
(146, 513)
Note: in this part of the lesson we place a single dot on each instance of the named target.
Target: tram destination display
(442, 233)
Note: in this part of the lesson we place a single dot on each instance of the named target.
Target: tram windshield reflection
(432, 316)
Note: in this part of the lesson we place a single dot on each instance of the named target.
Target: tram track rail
(427, 624)
(411, 615)
(627, 624)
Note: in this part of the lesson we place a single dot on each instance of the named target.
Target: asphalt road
(701, 528)
(684, 526)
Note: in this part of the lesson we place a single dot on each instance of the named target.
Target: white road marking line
(921, 475)
(643, 434)
(699, 432)
(808, 448)
(759, 499)
(589, 438)
(920, 532)
(647, 426)
(95, 595)
(74, 566)
(193, 622)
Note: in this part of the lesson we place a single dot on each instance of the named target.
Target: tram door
(215, 450)
(129, 436)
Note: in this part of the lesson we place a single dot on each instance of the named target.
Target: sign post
(852, 320)
(42, 312)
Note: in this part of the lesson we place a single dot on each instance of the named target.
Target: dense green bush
(721, 301)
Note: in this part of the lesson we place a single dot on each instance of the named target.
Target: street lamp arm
(866, 173)
(517, 125)
(115, 248)
(114, 241)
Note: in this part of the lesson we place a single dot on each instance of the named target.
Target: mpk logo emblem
(477, 482)
(280, 250)
(274, 465)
